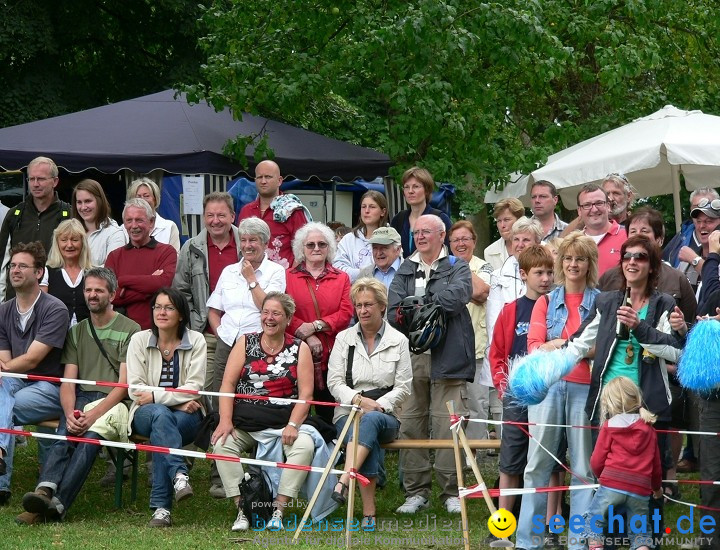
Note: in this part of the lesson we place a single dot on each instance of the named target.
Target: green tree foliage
(471, 90)
(59, 57)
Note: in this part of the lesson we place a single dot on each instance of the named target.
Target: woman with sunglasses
(641, 353)
(322, 298)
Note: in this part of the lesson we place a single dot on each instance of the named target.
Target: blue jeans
(68, 464)
(166, 428)
(24, 402)
(596, 518)
(564, 404)
(375, 428)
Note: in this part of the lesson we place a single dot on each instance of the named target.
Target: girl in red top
(626, 461)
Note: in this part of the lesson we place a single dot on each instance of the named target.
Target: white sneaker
(413, 505)
(276, 521)
(452, 505)
(182, 487)
(241, 522)
(160, 518)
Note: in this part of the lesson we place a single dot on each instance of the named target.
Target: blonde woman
(67, 262)
(381, 374)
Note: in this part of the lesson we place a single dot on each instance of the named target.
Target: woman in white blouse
(369, 367)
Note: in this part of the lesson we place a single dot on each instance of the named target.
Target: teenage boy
(509, 342)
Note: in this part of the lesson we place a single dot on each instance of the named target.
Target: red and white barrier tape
(181, 452)
(475, 491)
(515, 423)
(140, 387)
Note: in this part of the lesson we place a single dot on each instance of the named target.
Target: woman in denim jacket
(554, 319)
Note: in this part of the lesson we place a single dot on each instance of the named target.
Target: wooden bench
(119, 455)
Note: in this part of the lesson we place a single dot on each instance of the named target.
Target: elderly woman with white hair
(505, 283)
(322, 296)
(234, 306)
(164, 231)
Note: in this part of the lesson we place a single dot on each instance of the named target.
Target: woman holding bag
(369, 367)
(322, 297)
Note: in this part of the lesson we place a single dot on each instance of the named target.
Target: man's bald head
(268, 179)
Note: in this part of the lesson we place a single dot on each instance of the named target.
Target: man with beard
(284, 214)
(95, 349)
(621, 196)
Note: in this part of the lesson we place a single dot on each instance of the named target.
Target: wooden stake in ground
(326, 473)
(461, 483)
(353, 481)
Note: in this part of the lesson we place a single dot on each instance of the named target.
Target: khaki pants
(301, 452)
(483, 403)
(424, 415)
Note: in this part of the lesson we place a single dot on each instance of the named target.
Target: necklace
(167, 350)
(271, 348)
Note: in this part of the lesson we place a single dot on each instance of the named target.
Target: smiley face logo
(502, 523)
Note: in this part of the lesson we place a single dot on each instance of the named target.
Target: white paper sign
(193, 193)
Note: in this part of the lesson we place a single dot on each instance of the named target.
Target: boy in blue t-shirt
(509, 340)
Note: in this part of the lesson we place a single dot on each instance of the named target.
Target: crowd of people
(397, 316)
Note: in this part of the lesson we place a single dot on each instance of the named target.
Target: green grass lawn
(202, 522)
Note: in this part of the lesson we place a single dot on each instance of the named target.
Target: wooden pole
(353, 481)
(461, 483)
(326, 473)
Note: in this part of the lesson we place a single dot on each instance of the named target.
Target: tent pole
(334, 196)
(675, 171)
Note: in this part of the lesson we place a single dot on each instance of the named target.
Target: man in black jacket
(440, 374)
(35, 218)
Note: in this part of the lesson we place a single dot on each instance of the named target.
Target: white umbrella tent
(652, 151)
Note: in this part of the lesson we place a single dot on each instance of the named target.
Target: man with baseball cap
(387, 255)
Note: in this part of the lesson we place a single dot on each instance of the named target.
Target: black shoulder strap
(348, 372)
(99, 345)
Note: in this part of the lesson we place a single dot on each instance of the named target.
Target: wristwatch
(318, 326)
(252, 285)
(696, 261)
(291, 423)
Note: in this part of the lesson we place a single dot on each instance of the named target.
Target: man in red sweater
(143, 266)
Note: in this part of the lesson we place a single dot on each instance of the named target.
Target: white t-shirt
(233, 296)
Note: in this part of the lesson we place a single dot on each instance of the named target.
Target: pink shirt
(538, 332)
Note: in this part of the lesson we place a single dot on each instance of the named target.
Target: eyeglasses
(425, 232)
(637, 256)
(704, 202)
(366, 305)
(571, 259)
(462, 240)
(21, 267)
(590, 205)
(166, 309)
(39, 179)
(321, 245)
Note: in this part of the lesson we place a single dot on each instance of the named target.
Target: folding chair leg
(134, 458)
(119, 466)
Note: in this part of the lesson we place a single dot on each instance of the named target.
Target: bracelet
(293, 424)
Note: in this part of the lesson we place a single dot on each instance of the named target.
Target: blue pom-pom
(697, 369)
(531, 376)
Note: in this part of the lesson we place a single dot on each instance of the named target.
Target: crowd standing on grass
(265, 305)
